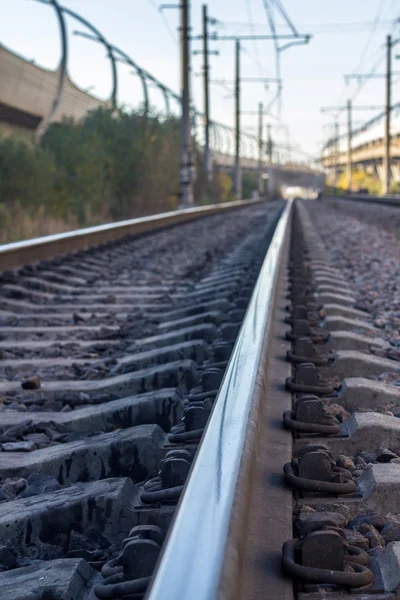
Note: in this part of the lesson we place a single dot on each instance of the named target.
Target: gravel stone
(17, 406)
(371, 518)
(356, 473)
(374, 537)
(8, 557)
(11, 487)
(336, 410)
(40, 439)
(39, 484)
(19, 447)
(344, 461)
(315, 521)
(355, 538)
(335, 507)
(375, 551)
(363, 241)
(391, 530)
(385, 456)
(49, 551)
(33, 383)
(368, 457)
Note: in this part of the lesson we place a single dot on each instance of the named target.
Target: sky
(348, 36)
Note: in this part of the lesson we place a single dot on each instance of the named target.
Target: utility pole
(186, 166)
(260, 149)
(386, 159)
(293, 39)
(336, 166)
(238, 176)
(270, 186)
(349, 138)
(269, 144)
(349, 107)
(206, 81)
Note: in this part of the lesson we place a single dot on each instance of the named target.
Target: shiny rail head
(370, 199)
(17, 254)
(193, 558)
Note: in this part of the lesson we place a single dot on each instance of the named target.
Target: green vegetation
(108, 167)
(361, 180)
(395, 187)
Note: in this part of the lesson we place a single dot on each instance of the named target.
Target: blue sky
(313, 74)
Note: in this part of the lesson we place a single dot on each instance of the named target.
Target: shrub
(109, 166)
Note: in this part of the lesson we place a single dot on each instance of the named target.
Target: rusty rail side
(17, 254)
(203, 556)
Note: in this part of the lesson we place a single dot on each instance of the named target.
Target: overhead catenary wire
(256, 60)
(271, 24)
(165, 21)
(369, 39)
(344, 27)
(363, 55)
(363, 127)
(255, 46)
(285, 15)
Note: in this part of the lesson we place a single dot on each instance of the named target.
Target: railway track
(312, 506)
(111, 359)
(183, 420)
(392, 200)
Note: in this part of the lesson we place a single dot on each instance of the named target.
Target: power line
(364, 53)
(369, 76)
(366, 125)
(371, 35)
(325, 28)
(255, 59)
(271, 23)
(285, 15)
(164, 20)
(250, 18)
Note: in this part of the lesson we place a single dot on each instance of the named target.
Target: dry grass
(17, 224)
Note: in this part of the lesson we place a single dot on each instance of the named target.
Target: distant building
(27, 93)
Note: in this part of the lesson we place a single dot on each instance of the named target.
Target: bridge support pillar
(395, 172)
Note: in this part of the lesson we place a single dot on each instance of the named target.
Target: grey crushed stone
(364, 243)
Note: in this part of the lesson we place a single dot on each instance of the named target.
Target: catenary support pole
(388, 103)
(238, 175)
(206, 90)
(349, 150)
(260, 149)
(336, 169)
(269, 144)
(186, 166)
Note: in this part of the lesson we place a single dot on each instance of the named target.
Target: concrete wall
(31, 89)
(369, 153)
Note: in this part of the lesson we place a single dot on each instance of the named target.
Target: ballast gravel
(363, 241)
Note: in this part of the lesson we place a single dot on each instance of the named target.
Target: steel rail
(204, 540)
(387, 200)
(17, 254)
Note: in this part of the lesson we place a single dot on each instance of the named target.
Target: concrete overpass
(277, 177)
(283, 176)
(27, 93)
(367, 155)
(227, 161)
